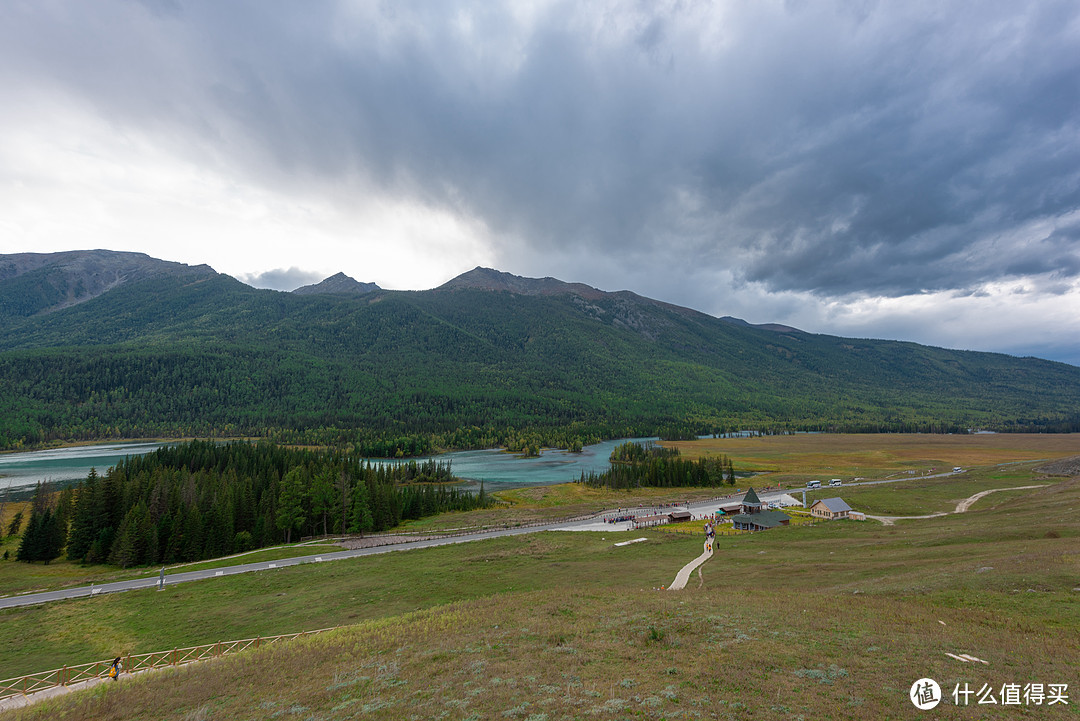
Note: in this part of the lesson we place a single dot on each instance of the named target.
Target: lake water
(61, 465)
(495, 468)
(499, 470)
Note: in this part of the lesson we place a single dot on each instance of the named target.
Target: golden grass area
(7, 513)
(877, 455)
(561, 494)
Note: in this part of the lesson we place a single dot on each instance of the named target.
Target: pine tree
(323, 495)
(31, 540)
(16, 523)
(360, 517)
(124, 552)
(43, 539)
(290, 507)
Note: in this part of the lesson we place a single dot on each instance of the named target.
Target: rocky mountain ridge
(337, 284)
(32, 283)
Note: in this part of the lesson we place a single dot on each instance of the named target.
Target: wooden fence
(135, 662)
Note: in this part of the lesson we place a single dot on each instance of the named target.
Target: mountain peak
(480, 278)
(337, 284)
(44, 282)
(775, 327)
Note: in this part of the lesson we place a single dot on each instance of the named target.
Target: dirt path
(961, 507)
(13, 702)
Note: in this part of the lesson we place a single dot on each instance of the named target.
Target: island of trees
(634, 465)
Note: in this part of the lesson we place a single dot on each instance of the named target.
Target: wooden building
(830, 508)
(753, 518)
(760, 521)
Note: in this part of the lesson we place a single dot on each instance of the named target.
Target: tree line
(201, 500)
(635, 465)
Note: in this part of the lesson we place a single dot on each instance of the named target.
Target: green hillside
(196, 353)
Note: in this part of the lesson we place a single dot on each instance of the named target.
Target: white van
(957, 469)
(836, 482)
(813, 484)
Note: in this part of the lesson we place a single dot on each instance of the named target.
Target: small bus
(836, 482)
(813, 484)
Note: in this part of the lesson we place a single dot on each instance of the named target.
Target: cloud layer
(826, 158)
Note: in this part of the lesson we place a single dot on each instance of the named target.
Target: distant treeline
(634, 465)
(202, 500)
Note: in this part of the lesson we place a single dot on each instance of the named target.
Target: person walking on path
(115, 668)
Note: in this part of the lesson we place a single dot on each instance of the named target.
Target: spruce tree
(16, 524)
(53, 536)
(290, 507)
(31, 540)
(323, 496)
(360, 517)
(83, 530)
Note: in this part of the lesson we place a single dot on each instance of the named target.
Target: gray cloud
(832, 148)
(281, 278)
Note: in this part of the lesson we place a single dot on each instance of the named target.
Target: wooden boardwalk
(684, 575)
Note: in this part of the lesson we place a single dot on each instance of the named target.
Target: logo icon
(925, 694)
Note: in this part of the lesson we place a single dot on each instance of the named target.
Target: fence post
(257, 639)
(63, 676)
(173, 656)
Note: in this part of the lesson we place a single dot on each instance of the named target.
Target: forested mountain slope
(34, 283)
(468, 364)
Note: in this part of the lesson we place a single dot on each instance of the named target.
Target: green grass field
(834, 620)
(919, 497)
(830, 620)
(18, 578)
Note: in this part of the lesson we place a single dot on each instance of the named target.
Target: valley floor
(835, 620)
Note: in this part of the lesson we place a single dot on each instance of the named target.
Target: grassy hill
(180, 352)
(835, 620)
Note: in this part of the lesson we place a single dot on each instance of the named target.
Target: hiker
(115, 668)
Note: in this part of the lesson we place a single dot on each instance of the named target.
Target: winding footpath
(961, 507)
(684, 575)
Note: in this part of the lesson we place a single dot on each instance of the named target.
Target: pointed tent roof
(750, 497)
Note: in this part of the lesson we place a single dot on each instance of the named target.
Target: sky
(905, 170)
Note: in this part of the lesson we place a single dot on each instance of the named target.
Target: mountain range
(100, 344)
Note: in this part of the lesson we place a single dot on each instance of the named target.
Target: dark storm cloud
(851, 147)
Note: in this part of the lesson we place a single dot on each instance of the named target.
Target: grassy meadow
(19, 578)
(830, 620)
(793, 460)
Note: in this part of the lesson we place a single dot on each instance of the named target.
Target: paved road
(174, 578)
(701, 507)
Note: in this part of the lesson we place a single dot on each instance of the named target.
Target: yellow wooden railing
(135, 662)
